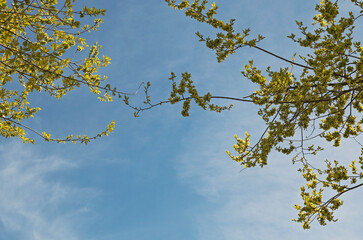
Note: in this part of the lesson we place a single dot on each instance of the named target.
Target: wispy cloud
(33, 204)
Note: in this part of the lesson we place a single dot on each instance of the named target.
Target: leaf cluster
(39, 44)
(324, 100)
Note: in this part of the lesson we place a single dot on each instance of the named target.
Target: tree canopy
(39, 45)
(316, 94)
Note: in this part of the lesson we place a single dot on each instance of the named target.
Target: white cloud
(32, 204)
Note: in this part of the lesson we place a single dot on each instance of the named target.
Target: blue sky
(162, 176)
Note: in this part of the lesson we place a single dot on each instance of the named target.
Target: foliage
(39, 44)
(323, 101)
